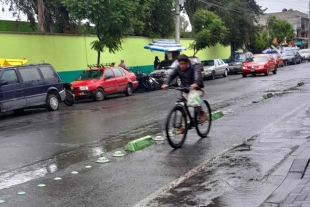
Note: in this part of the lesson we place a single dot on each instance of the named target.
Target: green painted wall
(71, 54)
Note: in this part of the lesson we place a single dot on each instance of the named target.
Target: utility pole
(309, 27)
(177, 21)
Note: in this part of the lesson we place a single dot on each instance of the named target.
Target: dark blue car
(30, 86)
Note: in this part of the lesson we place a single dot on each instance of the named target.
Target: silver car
(305, 54)
(213, 68)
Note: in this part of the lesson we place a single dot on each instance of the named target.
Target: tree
(99, 48)
(158, 19)
(52, 15)
(262, 40)
(209, 31)
(113, 19)
(280, 29)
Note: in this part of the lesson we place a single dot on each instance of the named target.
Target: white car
(213, 68)
(305, 54)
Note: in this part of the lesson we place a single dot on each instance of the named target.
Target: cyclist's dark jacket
(189, 76)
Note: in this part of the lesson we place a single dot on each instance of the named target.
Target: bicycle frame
(183, 104)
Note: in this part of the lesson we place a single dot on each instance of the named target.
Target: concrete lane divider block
(102, 160)
(300, 83)
(268, 95)
(1, 201)
(217, 115)
(139, 144)
(118, 154)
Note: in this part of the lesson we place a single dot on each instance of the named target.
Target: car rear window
(47, 72)
(208, 62)
(30, 74)
(90, 74)
(166, 64)
(117, 72)
(258, 59)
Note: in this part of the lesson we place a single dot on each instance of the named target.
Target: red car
(259, 64)
(279, 60)
(97, 83)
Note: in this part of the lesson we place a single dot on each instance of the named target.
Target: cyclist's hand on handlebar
(194, 86)
(164, 86)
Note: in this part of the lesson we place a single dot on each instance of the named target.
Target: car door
(33, 85)
(121, 79)
(11, 96)
(216, 67)
(222, 66)
(272, 63)
(109, 83)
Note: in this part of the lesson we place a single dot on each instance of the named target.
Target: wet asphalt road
(41, 145)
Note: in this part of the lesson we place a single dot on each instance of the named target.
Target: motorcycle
(70, 98)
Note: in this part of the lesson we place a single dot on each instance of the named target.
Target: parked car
(213, 68)
(305, 54)
(263, 63)
(279, 60)
(98, 82)
(167, 66)
(236, 60)
(28, 86)
(291, 56)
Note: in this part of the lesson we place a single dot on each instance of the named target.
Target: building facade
(297, 19)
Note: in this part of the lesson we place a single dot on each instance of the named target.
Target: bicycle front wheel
(203, 128)
(176, 129)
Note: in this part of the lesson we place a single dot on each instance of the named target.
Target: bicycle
(180, 121)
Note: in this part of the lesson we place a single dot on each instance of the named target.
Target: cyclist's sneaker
(180, 131)
(203, 116)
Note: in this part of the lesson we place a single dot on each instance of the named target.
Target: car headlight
(83, 88)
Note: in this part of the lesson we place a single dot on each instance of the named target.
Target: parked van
(30, 86)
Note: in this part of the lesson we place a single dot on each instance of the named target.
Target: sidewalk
(294, 191)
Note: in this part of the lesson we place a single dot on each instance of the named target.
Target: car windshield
(258, 59)
(90, 74)
(304, 51)
(166, 64)
(237, 57)
(208, 62)
(288, 53)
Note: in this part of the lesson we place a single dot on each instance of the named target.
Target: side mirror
(3, 82)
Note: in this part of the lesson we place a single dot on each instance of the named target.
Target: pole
(309, 27)
(177, 21)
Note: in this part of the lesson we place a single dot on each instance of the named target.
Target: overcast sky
(278, 5)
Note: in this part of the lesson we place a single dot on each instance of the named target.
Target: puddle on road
(74, 155)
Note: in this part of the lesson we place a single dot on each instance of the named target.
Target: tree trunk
(41, 19)
(98, 58)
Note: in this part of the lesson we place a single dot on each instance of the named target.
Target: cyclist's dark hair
(183, 58)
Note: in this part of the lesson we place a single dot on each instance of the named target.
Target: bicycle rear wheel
(176, 121)
(203, 128)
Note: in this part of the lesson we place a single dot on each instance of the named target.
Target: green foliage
(209, 30)
(280, 29)
(113, 19)
(262, 41)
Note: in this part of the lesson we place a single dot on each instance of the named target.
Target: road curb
(292, 179)
(139, 144)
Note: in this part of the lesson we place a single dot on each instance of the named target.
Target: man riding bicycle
(190, 76)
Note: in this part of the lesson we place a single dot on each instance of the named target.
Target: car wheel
(267, 73)
(52, 102)
(225, 73)
(99, 95)
(19, 112)
(244, 75)
(129, 90)
(213, 75)
(275, 70)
